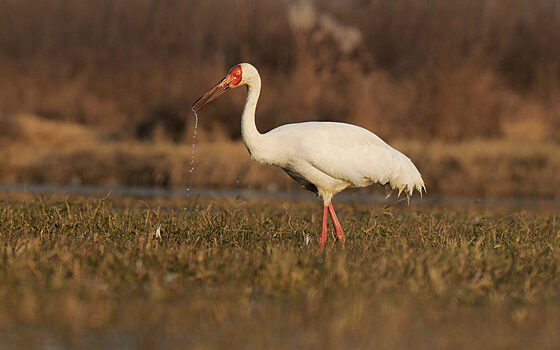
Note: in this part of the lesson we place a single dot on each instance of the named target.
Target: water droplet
(192, 153)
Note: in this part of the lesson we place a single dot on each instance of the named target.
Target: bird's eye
(238, 72)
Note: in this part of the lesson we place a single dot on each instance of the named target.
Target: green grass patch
(90, 273)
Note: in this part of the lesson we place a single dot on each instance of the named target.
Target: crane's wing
(352, 154)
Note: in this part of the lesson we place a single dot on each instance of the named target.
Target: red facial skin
(235, 75)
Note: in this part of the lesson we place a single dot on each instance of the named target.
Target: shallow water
(357, 196)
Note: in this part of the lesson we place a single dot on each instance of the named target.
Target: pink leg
(337, 226)
(323, 237)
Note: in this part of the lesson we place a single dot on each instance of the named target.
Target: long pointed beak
(211, 95)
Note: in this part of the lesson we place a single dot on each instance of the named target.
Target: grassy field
(98, 93)
(90, 273)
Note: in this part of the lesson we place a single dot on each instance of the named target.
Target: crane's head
(237, 76)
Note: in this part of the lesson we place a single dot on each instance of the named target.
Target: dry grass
(35, 150)
(468, 89)
(89, 273)
(97, 92)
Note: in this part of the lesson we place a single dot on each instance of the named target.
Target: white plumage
(323, 157)
(334, 156)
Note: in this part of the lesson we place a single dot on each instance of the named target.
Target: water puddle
(249, 193)
(192, 153)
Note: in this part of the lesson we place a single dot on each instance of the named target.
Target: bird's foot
(337, 226)
(323, 237)
(322, 241)
(340, 236)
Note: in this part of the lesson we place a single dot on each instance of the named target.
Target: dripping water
(192, 153)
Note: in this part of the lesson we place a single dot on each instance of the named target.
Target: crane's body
(328, 157)
(323, 157)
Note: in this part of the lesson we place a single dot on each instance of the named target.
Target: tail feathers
(406, 179)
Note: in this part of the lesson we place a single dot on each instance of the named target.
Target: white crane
(323, 157)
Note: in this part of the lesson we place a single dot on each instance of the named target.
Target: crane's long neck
(251, 136)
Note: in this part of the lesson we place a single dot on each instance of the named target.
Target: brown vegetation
(38, 151)
(407, 68)
(89, 274)
(84, 81)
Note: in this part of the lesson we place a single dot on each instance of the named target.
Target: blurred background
(98, 92)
